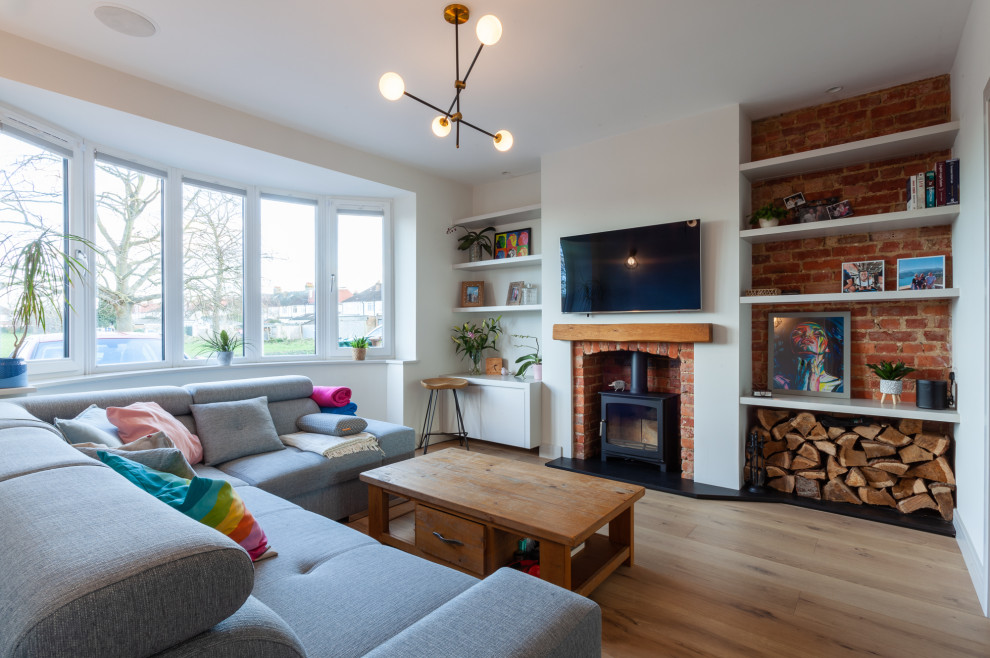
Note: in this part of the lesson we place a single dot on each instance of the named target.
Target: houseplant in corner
(891, 375)
(474, 242)
(359, 347)
(223, 344)
(533, 359)
(472, 340)
(768, 215)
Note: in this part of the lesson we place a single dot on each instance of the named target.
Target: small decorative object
(221, 343)
(890, 375)
(618, 385)
(794, 200)
(359, 347)
(504, 371)
(761, 292)
(528, 294)
(762, 394)
(472, 340)
(754, 456)
(493, 365)
(864, 276)
(923, 273)
(512, 243)
(840, 210)
(472, 293)
(809, 353)
(768, 215)
(474, 242)
(534, 359)
(514, 298)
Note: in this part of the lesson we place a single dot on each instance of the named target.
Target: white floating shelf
(922, 140)
(498, 309)
(865, 224)
(512, 216)
(500, 263)
(854, 297)
(852, 406)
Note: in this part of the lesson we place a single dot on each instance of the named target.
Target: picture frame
(921, 273)
(514, 296)
(814, 211)
(513, 244)
(472, 293)
(809, 353)
(840, 210)
(794, 200)
(862, 276)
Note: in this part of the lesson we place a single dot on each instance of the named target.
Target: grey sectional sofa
(90, 565)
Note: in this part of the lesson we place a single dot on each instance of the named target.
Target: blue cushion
(348, 409)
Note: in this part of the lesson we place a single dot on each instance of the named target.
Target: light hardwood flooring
(715, 578)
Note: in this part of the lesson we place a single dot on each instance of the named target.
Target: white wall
(970, 76)
(505, 194)
(680, 170)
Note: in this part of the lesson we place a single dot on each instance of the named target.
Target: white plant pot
(769, 223)
(225, 358)
(538, 372)
(891, 386)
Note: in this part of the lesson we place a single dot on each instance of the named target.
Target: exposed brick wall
(596, 363)
(905, 107)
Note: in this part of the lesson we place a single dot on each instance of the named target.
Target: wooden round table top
(443, 383)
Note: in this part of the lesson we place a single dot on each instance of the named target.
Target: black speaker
(924, 394)
(932, 394)
(940, 390)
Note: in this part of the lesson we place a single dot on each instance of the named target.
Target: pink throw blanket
(331, 396)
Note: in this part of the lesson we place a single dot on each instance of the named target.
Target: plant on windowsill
(472, 340)
(223, 344)
(768, 215)
(40, 271)
(891, 375)
(359, 347)
(534, 359)
(475, 242)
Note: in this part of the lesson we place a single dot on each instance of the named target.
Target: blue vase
(13, 373)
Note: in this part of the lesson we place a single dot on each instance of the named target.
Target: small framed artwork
(809, 353)
(862, 276)
(923, 273)
(840, 210)
(814, 211)
(794, 200)
(514, 298)
(472, 293)
(511, 244)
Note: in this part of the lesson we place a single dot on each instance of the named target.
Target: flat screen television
(648, 268)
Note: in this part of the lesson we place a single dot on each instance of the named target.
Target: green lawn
(6, 344)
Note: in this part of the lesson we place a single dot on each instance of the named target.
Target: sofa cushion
(290, 472)
(286, 412)
(143, 418)
(276, 389)
(28, 450)
(91, 426)
(228, 430)
(172, 399)
(166, 460)
(331, 424)
(93, 566)
(215, 473)
(395, 440)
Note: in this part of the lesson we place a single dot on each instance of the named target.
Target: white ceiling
(564, 73)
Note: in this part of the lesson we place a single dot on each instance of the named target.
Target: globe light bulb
(441, 126)
(503, 140)
(489, 30)
(391, 86)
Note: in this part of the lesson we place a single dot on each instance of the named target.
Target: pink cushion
(144, 418)
(331, 396)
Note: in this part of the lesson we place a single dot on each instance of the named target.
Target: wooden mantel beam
(625, 333)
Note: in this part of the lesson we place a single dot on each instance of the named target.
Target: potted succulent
(475, 242)
(533, 359)
(891, 375)
(39, 271)
(768, 215)
(223, 344)
(359, 347)
(472, 340)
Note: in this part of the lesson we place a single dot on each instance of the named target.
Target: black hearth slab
(651, 477)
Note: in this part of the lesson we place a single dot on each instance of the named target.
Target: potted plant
(533, 359)
(768, 215)
(221, 343)
(474, 242)
(890, 375)
(473, 340)
(359, 347)
(40, 271)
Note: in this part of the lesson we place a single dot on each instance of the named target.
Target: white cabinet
(499, 409)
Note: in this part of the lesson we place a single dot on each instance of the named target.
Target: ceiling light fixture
(125, 20)
(489, 31)
(833, 90)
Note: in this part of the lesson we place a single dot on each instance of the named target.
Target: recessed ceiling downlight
(125, 20)
(834, 90)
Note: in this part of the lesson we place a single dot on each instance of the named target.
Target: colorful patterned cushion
(144, 418)
(211, 502)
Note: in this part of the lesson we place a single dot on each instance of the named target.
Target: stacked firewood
(903, 467)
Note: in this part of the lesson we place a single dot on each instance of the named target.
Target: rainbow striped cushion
(211, 502)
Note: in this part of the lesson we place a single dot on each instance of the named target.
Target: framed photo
(840, 210)
(809, 353)
(472, 293)
(514, 298)
(794, 200)
(923, 273)
(862, 276)
(814, 211)
(513, 243)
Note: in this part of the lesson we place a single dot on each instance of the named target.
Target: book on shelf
(912, 200)
(952, 182)
(940, 184)
(919, 190)
(935, 188)
(929, 189)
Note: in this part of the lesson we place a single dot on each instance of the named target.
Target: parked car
(374, 336)
(111, 348)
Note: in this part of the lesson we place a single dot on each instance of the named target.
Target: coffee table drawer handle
(447, 541)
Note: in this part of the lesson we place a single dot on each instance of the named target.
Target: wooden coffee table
(471, 510)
